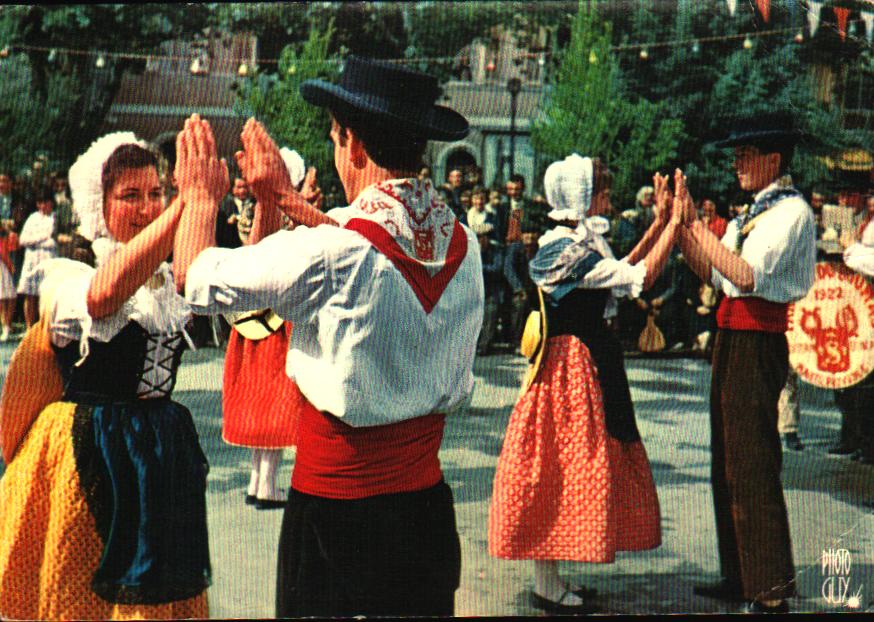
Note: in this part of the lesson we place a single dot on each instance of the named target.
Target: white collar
(781, 182)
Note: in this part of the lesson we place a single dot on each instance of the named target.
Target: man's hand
(310, 190)
(201, 175)
(684, 206)
(262, 165)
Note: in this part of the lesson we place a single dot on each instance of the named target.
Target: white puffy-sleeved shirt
(363, 348)
(859, 257)
(620, 277)
(156, 307)
(780, 249)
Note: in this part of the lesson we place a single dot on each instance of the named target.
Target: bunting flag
(732, 6)
(765, 9)
(813, 15)
(868, 18)
(842, 14)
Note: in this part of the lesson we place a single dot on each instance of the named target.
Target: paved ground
(824, 497)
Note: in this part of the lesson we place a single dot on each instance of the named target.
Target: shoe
(841, 450)
(791, 441)
(721, 590)
(757, 607)
(251, 500)
(586, 593)
(544, 604)
(269, 504)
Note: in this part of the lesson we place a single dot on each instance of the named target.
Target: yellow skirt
(49, 546)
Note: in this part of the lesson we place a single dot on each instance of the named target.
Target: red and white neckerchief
(408, 222)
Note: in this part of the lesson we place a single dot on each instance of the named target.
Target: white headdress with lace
(86, 185)
(568, 187)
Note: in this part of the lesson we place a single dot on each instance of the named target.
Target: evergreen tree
(589, 111)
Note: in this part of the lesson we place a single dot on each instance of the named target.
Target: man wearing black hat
(764, 261)
(386, 308)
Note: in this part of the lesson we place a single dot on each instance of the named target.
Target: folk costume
(260, 403)
(776, 237)
(103, 503)
(573, 481)
(386, 311)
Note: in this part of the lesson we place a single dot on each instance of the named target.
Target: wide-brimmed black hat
(771, 130)
(392, 93)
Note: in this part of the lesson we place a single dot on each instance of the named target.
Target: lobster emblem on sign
(831, 331)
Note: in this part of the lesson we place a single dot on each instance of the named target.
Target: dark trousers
(755, 550)
(388, 555)
(857, 416)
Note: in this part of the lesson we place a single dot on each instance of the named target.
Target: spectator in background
(5, 197)
(424, 173)
(8, 296)
(493, 279)
(716, 223)
(478, 214)
(452, 190)
(523, 292)
(500, 215)
(36, 238)
(817, 200)
(65, 219)
(234, 220)
(474, 176)
(629, 226)
(465, 200)
(523, 214)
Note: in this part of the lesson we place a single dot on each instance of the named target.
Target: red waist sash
(750, 313)
(337, 461)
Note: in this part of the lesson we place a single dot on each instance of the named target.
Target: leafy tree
(275, 100)
(589, 111)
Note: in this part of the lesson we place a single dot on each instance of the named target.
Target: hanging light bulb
(541, 60)
(292, 69)
(593, 58)
(196, 67)
(748, 44)
(4, 51)
(799, 38)
(100, 63)
(644, 54)
(696, 48)
(53, 54)
(243, 70)
(490, 66)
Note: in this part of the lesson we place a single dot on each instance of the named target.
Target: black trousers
(857, 416)
(388, 555)
(755, 549)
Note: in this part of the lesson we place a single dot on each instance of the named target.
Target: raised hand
(684, 208)
(310, 190)
(261, 164)
(199, 172)
(662, 197)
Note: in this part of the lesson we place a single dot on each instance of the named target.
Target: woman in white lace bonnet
(128, 537)
(584, 489)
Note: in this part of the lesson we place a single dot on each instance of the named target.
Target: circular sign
(831, 331)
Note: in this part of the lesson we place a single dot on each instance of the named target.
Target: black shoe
(251, 500)
(270, 504)
(841, 450)
(586, 593)
(791, 441)
(544, 604)
(721, 590)
(757, 607)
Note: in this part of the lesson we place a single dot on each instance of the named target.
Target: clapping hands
(199, 172)
(682, 209)
(262, 165)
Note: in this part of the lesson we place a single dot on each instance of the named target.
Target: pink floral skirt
(564, 489)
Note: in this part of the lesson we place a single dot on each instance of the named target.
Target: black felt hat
(391, 93)
(771, 130)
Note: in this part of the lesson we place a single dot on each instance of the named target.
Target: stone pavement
(824, 498)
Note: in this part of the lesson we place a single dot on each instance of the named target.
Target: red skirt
(260, 403)
(564, 489)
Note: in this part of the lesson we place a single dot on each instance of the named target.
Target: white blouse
(781, 250)
(37, 231)
(859, 257)
(362, 348)
(156, 307)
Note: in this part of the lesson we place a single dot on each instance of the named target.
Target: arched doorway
(461, 159)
